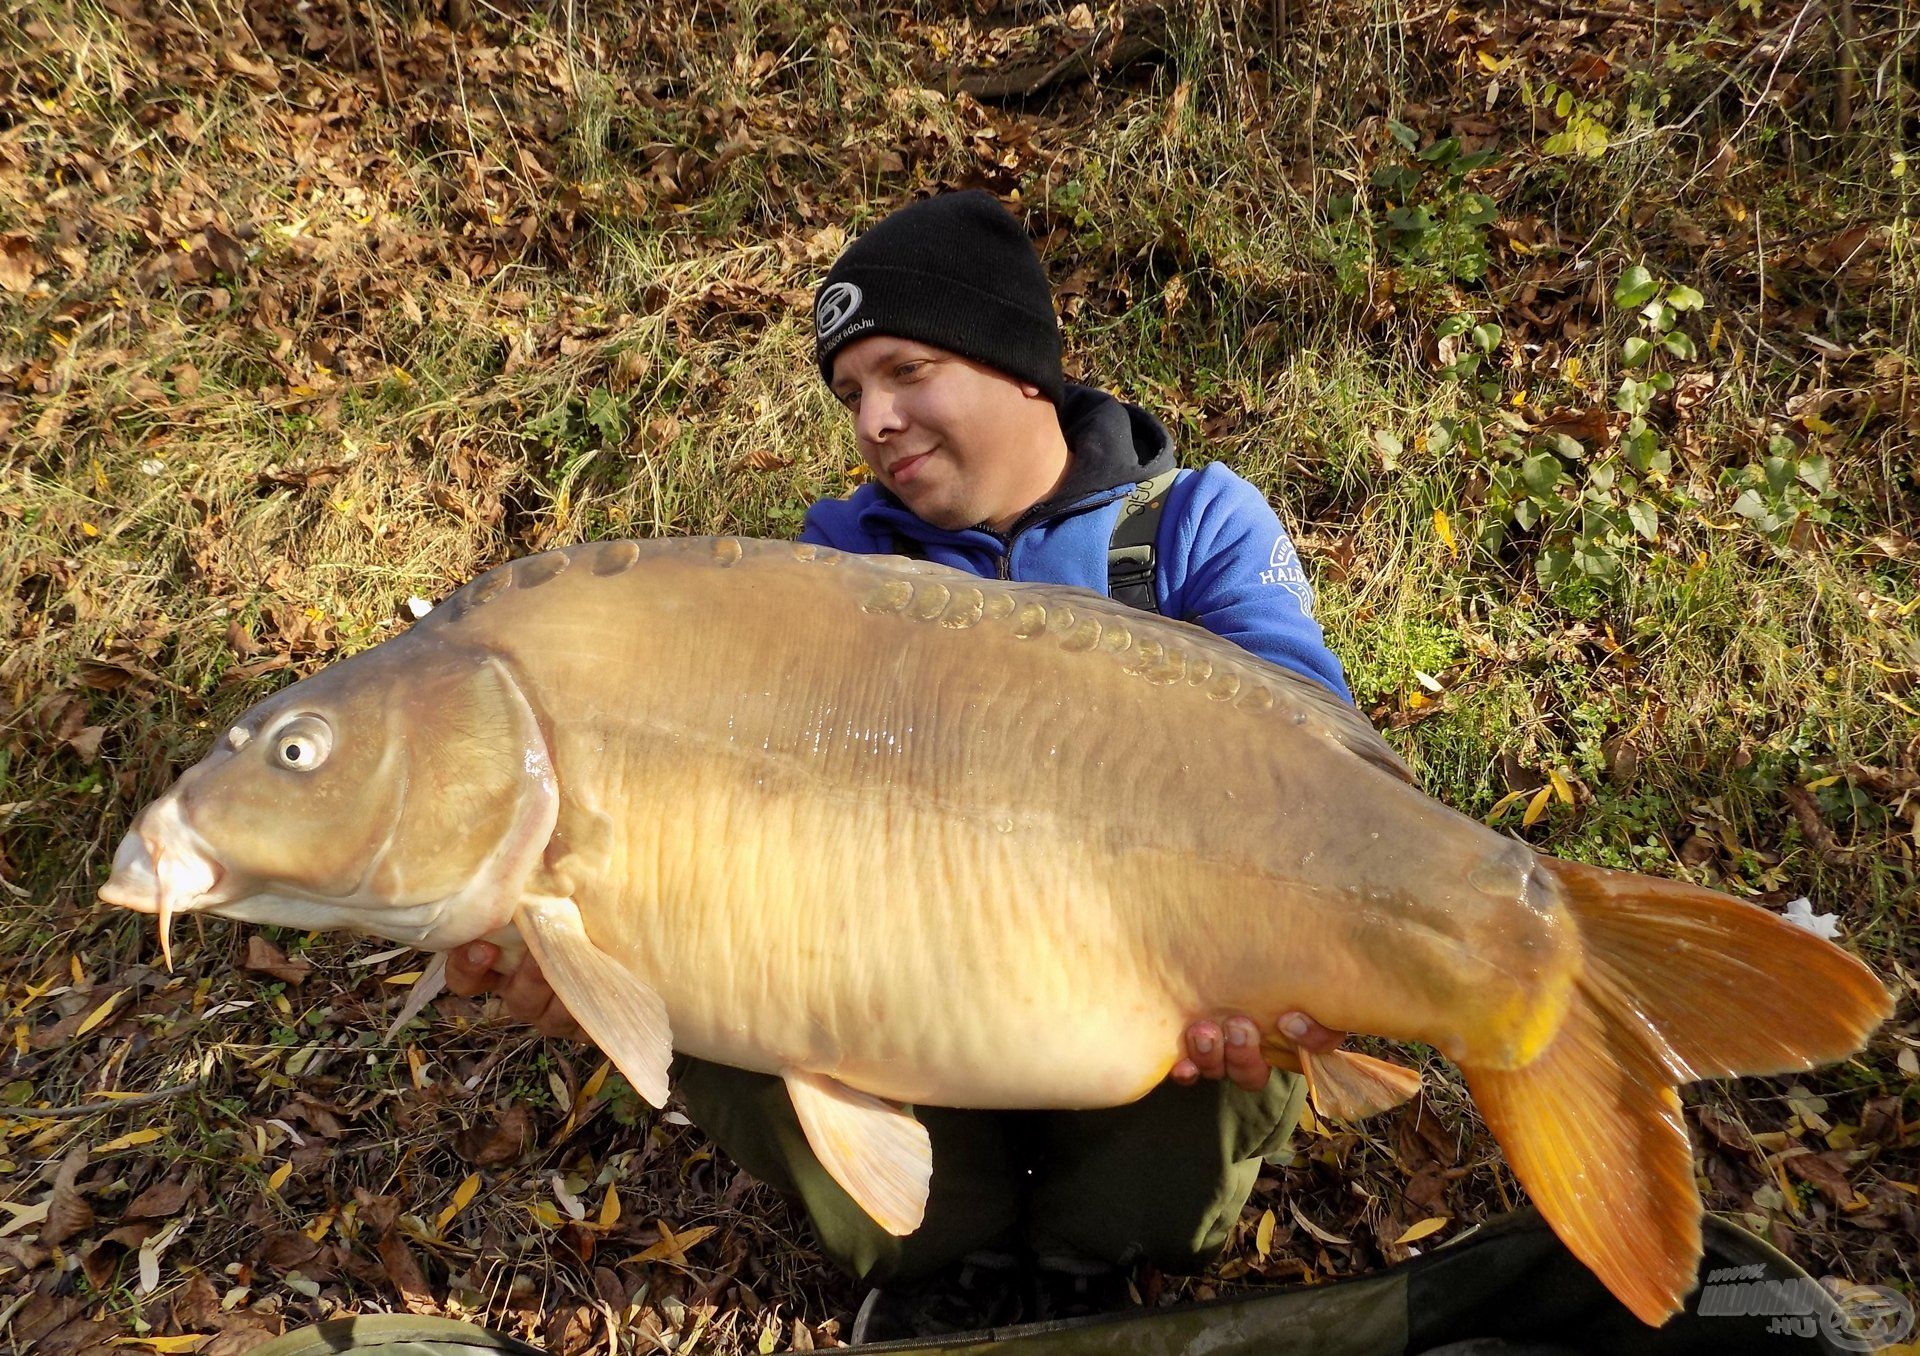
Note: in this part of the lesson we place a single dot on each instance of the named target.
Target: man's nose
(879, 416)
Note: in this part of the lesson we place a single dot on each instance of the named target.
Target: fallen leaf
(1314, 1229)
(162, 1200)
(403, 1269)
(263, 957)
(1416, 1232)
(1263, 1234)
(18, 263)
(492, 1144)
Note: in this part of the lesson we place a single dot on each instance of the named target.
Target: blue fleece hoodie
(1222, 560)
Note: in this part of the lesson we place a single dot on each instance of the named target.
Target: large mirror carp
(902, 835)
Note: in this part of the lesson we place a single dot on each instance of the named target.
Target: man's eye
(910, 370)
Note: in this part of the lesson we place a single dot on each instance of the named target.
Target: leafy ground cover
(1577, 343)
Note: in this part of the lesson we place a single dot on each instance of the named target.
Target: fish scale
(904, 836)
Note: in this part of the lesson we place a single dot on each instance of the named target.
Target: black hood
(1113, 444)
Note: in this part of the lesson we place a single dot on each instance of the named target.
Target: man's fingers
(1308, 1034)
(470, 968)
(527, 994)
(1206, 1047)
(1244, 1064)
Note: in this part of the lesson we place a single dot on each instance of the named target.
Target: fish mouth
(163, 868)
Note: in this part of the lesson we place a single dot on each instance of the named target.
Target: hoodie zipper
(1004, 570)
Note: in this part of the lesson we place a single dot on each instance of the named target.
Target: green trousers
(1160, 1180)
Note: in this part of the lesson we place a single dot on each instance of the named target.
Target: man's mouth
(907, 468)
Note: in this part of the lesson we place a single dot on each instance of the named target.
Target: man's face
(953, 439)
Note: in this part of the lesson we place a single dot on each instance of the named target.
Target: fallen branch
(105, 1104)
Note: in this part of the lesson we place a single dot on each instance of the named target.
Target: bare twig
(105, 1105)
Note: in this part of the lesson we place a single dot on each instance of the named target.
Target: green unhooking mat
(1508, 1289)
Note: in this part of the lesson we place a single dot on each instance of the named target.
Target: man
(936, 330)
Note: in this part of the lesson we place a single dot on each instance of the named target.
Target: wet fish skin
(904, 835)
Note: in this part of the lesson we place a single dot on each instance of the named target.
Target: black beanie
(957, 272)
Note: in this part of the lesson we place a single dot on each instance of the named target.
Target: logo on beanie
(836, 306)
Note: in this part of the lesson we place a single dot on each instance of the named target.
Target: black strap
(1130, 560)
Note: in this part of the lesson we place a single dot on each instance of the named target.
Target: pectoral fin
(625, 1018)
(877, 1152)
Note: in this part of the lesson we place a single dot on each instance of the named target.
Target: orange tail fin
(1681, 983)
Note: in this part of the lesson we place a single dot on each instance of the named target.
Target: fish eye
(302, 744)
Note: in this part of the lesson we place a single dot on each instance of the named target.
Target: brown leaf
(197, 1306)
(162, 1200)
(260, 73)
(404, 1271)
(1827, 1172)
(263, 957)
(67, 1210)
(376, 1212)
(86, 742)
(286, 1251)
(18, 263)
(502, 1141)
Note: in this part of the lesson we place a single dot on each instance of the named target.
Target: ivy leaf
(1684, 298)
(1680, 345)
(1541, 473)
(1635, 351)
(1635, 287)
(1646, 519)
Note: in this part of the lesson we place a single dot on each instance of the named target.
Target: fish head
(394, 793)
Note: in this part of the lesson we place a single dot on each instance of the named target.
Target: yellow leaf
(1263, 1235)
(318, 1229)
(595, 1083)
(1560, 786)
(1490, 64)
(99, 1014)
(672, 1247)
(279, 1178)
(166, 1345)
(88, 529)
(1419, 1231)
(1570, 371)
(1416, 700)
(610, 1208)
(131, 1139)
(1537, 806)
(1815, 424)
(1820, 782)
(408, 978)
(1444, 526)
(544, 1214)
(464, 1193)
(1500, 806)
(1713, 337)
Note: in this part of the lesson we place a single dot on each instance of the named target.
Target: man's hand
(525, 993)
(1231, 1049)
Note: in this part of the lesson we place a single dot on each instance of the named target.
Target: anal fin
(625, 1017)
(1344, 1085)
(878, 1153)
